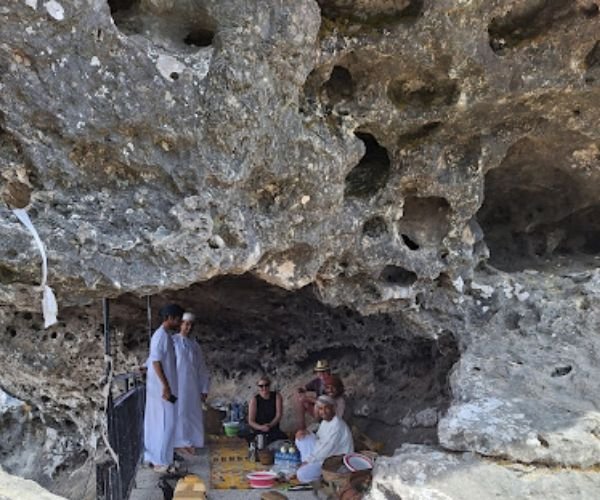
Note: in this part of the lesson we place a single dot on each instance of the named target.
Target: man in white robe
(194, 383)
(161, 392)
(333, 438)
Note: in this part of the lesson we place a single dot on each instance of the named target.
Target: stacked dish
(262, 479)
(357, 461)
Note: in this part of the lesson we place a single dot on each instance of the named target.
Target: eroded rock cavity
(396, 380)
(365, 158)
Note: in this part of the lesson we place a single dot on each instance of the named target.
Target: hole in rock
(247, 327)
(375, 227)
(535, 212)
(409, 243)
(121, 5)
(424, 222)
(181, 27)
(200, 38)
(371, 14)
(8, 275)
(372, 172)
(398, 276)
(340, 86)
(590, 9)
(561, 371)
(527, 20)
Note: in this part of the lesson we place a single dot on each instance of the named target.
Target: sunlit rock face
(406, 187)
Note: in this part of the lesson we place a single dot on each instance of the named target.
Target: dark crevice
(409, 243)
(340, 86)
(199, 37)
(590, 9)
(592, 59)
(183, 28)
(121, 5)
(526, 21)
(561, 371)
(398, 276)
(372, 172)
(371, 16)
(532, 216)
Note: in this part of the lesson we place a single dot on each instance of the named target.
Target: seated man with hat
(307, 395)
(333, 438)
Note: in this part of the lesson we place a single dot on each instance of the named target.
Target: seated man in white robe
(332, 438)
(193, 379)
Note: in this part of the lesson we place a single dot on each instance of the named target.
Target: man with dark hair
(161, 391)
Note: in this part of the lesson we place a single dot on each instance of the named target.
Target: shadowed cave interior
(396, 382)
(536, 217)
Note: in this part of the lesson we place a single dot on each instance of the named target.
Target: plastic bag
(49, 305)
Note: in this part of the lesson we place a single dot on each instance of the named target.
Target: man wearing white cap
(194, 382)
(332, 438)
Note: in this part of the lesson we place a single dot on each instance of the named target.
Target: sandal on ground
(187, 451)
(165, 469)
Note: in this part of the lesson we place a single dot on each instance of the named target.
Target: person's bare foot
(191, 450)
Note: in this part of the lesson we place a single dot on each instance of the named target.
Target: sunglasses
(264, 385)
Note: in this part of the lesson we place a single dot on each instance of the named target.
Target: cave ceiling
(429, 165)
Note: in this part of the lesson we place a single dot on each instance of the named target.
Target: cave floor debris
(146, 486)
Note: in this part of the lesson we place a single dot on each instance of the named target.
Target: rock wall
(406, 187)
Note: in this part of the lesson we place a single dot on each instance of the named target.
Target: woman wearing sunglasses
(264, 412)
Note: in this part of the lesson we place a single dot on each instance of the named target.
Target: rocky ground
(406, 187)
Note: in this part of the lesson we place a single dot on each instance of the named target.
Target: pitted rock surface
(417, 472)
(406, 187)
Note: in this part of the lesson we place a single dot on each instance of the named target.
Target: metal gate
(126, 437)
(125, 425)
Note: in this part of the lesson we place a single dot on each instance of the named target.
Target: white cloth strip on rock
(49, 306)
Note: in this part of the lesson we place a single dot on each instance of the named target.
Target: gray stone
(417, 472)
(522, 387)
(403, 187)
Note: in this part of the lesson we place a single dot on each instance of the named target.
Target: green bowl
(231, 430)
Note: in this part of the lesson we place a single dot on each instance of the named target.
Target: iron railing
(125, 417)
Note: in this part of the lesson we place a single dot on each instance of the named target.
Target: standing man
(194, 382)
(332, 438)
(161, 392)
